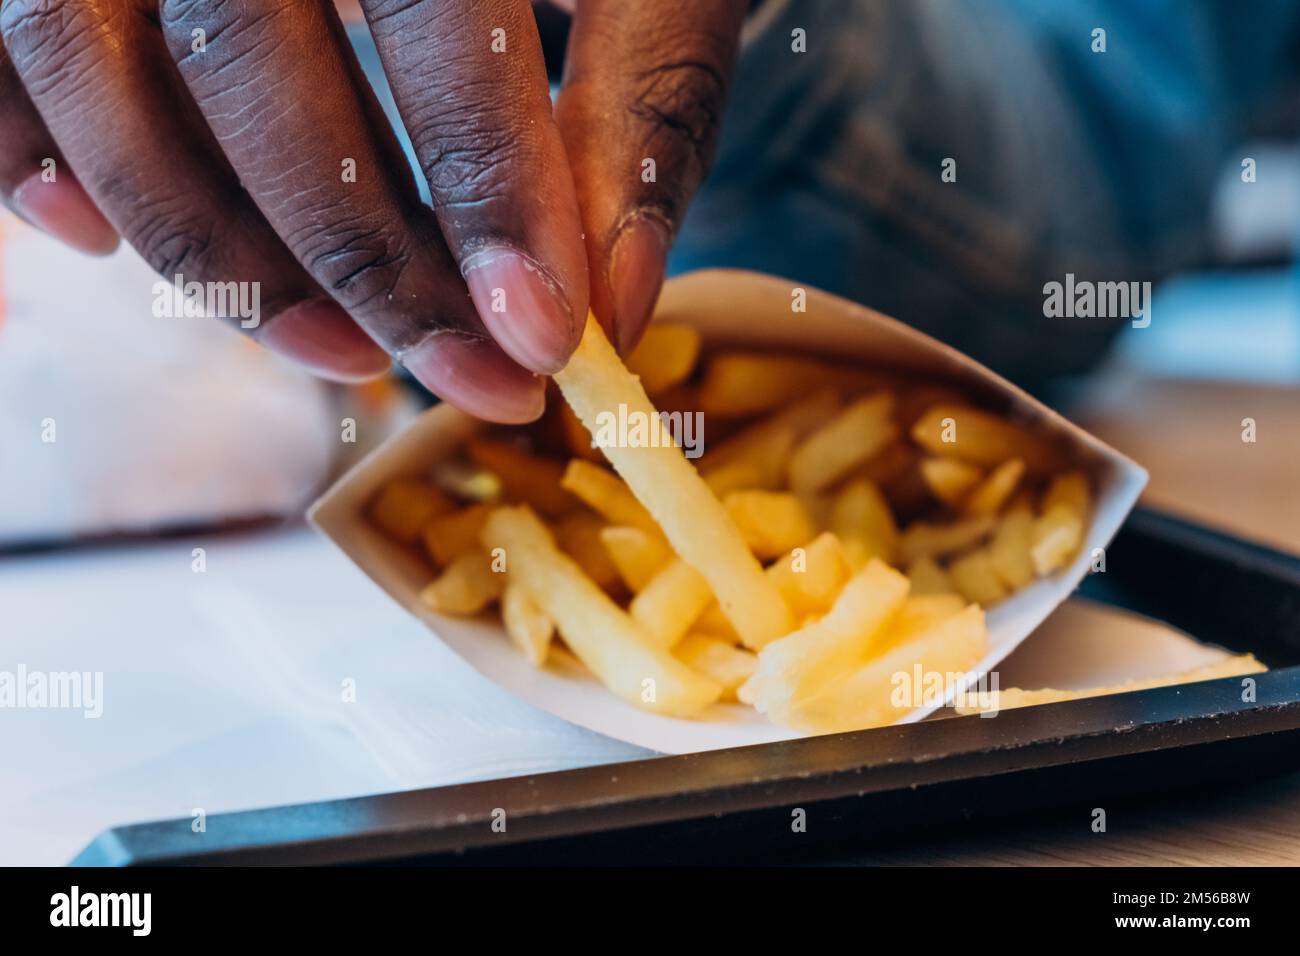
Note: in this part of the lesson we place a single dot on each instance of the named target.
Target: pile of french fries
(842, 526)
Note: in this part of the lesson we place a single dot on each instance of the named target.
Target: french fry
(861, 518)
(771, 522)
(877, 694)
(466, 481)
(849, 439)
(605, 493)
(1009, 549)
(737, 475)
(466, 586)
(449, 536)
(526, 478)
(576, 437)
(928, 578)
(714, 623)
(915, 400)
(976, 579)
(950, 479)
(717, 659)
(637, 554)
(919, 613)
(1012, 697)
(982, 438)
(810, 577)
(817, 486)
(668, 606)
(665, 357)
(1071, 490)
(1058, 532)
(527, 624)
(738, 384)
(796, 666)
(760, 466)
(799, 418)
(693, 520)
(923, 539)
(578, 536)
(598, 631)
(891, 463)
(404, 506)
(1056, 538)
(995, 490)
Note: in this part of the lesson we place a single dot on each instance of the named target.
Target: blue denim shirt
(1067, 160)
(1100, 164)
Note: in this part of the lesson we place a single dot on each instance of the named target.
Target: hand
(238, 141)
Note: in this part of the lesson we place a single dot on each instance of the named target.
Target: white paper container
(729, 308)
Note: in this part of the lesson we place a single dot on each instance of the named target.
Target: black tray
(734, 806)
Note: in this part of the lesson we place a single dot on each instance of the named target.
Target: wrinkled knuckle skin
(362, 267)
(681, 104)
(43, 36)
(465, 168)
(174, 243)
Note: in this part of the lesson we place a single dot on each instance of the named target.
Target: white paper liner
(730, 308)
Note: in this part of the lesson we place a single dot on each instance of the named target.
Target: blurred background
(127, 442)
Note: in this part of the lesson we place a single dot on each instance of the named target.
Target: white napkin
(155, 422)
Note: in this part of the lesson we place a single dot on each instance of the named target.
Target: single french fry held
(595, 383)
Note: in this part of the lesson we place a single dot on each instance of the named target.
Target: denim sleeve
(1067, 160)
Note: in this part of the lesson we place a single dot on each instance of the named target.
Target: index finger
(470, 83)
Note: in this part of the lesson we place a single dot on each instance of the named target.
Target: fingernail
(321, 337)
(477, 377)
(64, 210)
(522, 308)
(636, 273)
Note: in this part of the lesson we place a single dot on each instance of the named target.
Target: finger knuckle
(362, 266)
(680, 102)
(174, 243)
(463, 166)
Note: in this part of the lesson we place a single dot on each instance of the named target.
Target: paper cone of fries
(853, 490)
